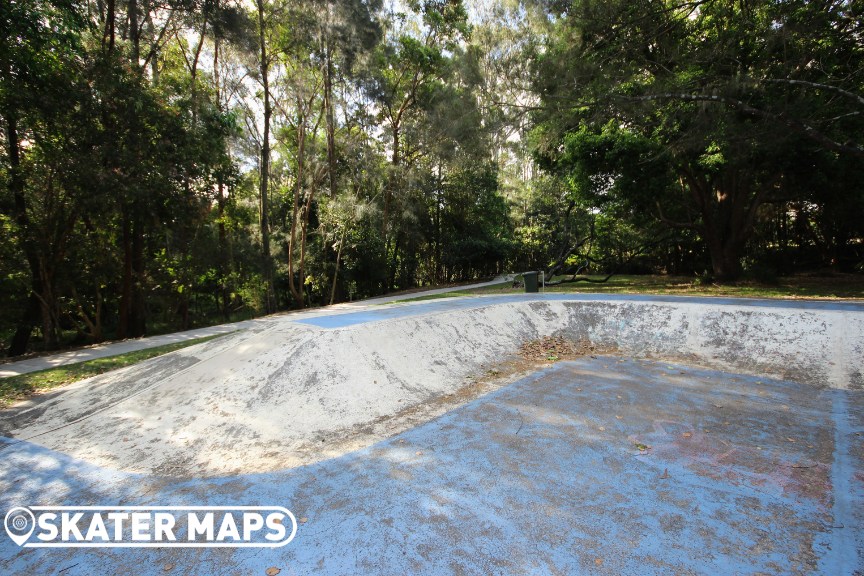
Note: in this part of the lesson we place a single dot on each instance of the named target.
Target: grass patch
(435, 296)
(14, 388)
(838, 286)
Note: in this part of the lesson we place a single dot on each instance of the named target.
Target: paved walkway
(132, 345)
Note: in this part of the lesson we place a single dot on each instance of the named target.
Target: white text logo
(150, 526)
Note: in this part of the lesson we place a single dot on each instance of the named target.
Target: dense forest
(172, 163)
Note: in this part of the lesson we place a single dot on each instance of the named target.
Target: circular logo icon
(20, 523)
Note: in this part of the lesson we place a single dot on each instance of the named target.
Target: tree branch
(742, 106)
(819, 86)
(157, 45)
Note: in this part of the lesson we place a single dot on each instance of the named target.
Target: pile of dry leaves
(555, 348)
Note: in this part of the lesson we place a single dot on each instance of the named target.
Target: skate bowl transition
(696, 435)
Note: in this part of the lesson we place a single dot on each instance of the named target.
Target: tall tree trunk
(125, 311)
(138, 316)
(225, 264)
(109, 36)
(297, 292)
(728, 211)
(439, 198)
(21, 337)
(48, 308)
(38, 310)
(151, 33)
(132, 314)
(134, 36)
(391, 275)
(303, 234)
(725, 256)
(193, 71)
(328, 114)
(265, 164)
(389, 190)
(336, 270)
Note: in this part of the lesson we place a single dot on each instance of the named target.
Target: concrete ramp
(291, 392)
(694, 436)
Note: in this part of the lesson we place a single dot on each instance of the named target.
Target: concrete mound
(291, 392)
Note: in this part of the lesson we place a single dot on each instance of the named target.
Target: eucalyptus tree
(264, 18)
(315, 45)
(409, 66)
(345, 30)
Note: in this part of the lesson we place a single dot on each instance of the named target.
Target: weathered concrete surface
(744, 475)
(292, 391)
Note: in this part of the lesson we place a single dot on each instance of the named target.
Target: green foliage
(446, 142)
(476, 232)
(699, 113)
(613, 168)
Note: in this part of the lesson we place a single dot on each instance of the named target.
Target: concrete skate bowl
(295, 391)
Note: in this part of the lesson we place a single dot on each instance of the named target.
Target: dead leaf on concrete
(598, 562)
(687, 434)
(554, 348)
(272, 571)
(303, 520)
(168, 567)
(665, 474)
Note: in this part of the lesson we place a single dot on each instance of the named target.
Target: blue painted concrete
(848, 495)
(467, 303)
(542, 477)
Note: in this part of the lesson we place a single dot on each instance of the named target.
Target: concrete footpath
(122, 347)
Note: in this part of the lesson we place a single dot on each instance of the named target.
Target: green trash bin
(530, 279)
